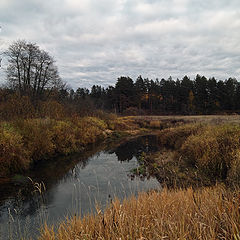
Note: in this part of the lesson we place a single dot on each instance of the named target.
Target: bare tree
(31, 70)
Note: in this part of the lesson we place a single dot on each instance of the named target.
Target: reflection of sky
(100, 180)
(103, 176)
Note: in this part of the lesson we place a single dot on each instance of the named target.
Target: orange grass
(209, 213)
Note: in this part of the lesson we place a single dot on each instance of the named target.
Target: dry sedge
(210, 213)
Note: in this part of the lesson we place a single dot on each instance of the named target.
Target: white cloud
(162, 27)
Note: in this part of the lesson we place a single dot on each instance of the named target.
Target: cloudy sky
(96, 41)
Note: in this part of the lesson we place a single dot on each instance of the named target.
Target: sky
(97, 41)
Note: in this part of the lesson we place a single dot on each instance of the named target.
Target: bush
(13, 156)
(37, 137)
(16, 106)
(51, 109)
(64, 137)
(215, 150)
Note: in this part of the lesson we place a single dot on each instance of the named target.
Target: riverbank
(199, 167)
(198, 154)
(24, 142)
(209, 213)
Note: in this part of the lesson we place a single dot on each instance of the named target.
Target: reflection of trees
(134, 147)
(63, 169)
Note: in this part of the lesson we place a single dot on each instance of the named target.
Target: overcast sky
(96, 41)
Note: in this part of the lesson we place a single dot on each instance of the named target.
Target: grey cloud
(95, 42)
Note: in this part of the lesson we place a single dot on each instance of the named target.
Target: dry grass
(210, 213)
(198, 118)
(23, 142)
(175, 136)
(212, 149)
(215, 150)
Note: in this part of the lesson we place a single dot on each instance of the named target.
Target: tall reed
(210, 213)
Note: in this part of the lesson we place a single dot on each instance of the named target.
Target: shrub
(13, 156)
(214, 150)
(37, 137)
(90, 129)
(51, 109)
(64, 137)
(16, 106)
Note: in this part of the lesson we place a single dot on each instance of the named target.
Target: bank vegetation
(200, 199)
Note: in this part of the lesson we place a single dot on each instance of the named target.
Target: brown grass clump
(174, 137)
(155, 124)
(23, 142)
(13, 156)
(210, 213)
(124, 123)
(215, 150)
(211, 149)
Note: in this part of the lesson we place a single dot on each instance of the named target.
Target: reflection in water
(135, 147)
(73, 185)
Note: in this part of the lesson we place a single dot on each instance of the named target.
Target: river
(71, 185)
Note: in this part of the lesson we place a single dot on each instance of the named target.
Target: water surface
(72, 185)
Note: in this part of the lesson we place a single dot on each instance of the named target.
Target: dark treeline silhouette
(34, 89)
(165, 96)
(144, 96)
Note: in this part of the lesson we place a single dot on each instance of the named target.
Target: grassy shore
(23, 142)
(209, 213)
(196, 154)
(203, 152)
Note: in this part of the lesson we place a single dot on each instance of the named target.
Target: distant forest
(144, 96)
(167, 96)
(34, 89)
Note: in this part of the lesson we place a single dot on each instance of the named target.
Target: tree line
(34, 87)
(166, 96)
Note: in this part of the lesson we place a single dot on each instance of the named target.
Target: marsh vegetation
(196, 159)
(197, 163)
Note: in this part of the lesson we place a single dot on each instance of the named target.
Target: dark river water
(72, 185)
